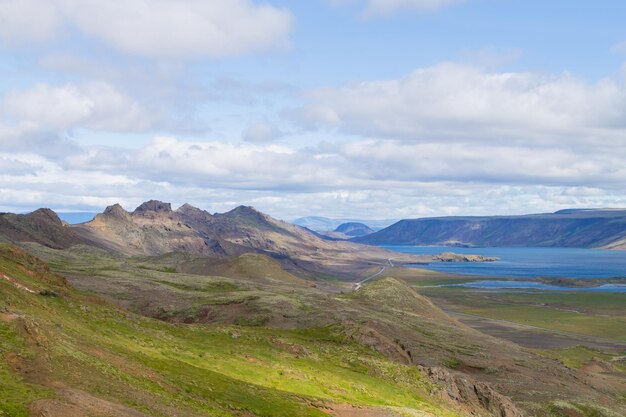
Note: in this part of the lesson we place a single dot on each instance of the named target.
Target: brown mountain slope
(152, 229)
(41, 226)
(155, 229)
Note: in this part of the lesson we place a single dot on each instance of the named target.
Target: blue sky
(343, 108)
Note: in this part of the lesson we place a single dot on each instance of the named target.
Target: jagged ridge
(154, 229)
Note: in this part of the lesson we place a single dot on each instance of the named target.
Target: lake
(528, 262)
(530, 285)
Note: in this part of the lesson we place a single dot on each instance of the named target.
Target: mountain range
(154, 229)
(324, 224)
(593, 228)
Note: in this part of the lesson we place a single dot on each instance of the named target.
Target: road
(359, 284)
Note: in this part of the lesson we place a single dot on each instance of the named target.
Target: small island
(458, 257)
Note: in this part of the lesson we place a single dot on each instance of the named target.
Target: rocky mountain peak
(155, 206)
(116, 211)
(248, 215)
(245, 211)
(190, 210)
(47, 215)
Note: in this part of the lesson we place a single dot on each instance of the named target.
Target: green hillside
(67, 351)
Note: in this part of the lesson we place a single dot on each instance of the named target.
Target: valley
(189, 313)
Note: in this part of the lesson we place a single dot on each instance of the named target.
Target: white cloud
(96, 106)
(29, 20)
(358, 165)
(236, 166)
(395, 163)
(358, 179)
(261, 132)
(153, 28)
(315, 116)
(454, 101)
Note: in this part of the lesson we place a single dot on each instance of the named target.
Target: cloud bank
(453, 101)
(156, 28)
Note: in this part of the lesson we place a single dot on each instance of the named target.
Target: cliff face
(474, 397)
(570, 228)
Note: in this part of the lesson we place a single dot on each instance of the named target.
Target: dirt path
(9, 317)
(17, 284)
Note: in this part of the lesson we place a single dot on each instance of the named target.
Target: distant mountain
(325, 224)
(354, 229)
(598, 228)
(347, 231)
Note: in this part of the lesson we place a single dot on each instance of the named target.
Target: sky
(370, 109)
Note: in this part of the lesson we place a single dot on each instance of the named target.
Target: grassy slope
(251, 285)
(594, 314)
(78, 341)
(579, 356)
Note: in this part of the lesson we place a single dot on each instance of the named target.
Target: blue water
(530, 285)
(528, 262)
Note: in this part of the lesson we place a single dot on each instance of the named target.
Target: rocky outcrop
(193, 212)
(459, 257)
(371, 337)
(154, 205)
(45, 215)
(116, 211)
(478, 398)
(475, 398)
